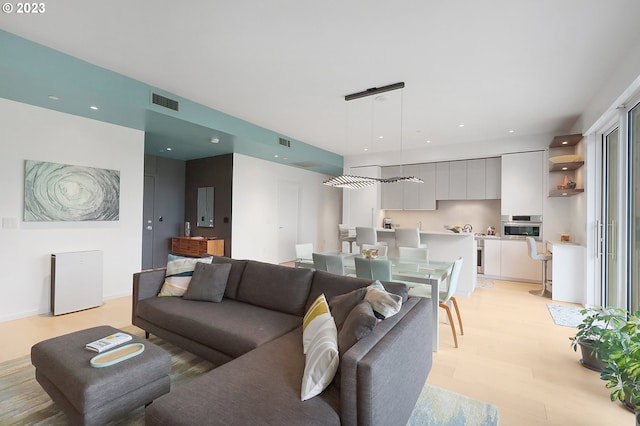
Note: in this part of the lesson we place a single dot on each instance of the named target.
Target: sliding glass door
(610, 214)
(634, 206)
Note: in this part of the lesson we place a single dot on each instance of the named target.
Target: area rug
(441, 407)
(484, 283)
(23, 402)
(567, 316)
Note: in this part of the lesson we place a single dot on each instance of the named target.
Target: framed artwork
(65, 193)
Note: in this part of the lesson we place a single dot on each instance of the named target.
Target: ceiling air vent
(163, 101)
(284, 142)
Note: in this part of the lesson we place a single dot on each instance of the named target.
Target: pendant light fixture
(358, 182)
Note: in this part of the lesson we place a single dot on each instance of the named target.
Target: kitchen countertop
(426, 232)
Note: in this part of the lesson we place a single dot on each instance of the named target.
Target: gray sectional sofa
(254, 336)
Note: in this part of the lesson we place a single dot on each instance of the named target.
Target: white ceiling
(530, 66)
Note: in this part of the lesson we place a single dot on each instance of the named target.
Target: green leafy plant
(622, 363)
(599, 326)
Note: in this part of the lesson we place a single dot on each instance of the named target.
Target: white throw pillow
(384, 304)
(320, 346)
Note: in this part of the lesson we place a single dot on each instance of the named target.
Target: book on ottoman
(108, 342)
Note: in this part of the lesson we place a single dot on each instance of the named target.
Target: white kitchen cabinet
(493, 182)
(427, 172)
(516, 264)
(476, 179)
(522, 183)
(391, 193)
(492, 262)
(442, 181)
(410, 190)
(457, 180)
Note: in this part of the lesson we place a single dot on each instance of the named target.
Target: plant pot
(590, 359)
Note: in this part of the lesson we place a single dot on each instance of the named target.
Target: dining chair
(304, 256)
(544, 257)
(445, 296)
(344, 236)
(374, 269)
(408, 237)
(413, 253)
(333, 263)
(382, 249)
(365, 235)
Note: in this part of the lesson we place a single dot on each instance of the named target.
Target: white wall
(255, 208)
(32, 133)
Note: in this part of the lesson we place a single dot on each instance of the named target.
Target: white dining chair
(304, 256)
(408, 237)
(374, 269)
(333, 263)
(367, 235)
(445, 296)
(544, 257)
(413, 253)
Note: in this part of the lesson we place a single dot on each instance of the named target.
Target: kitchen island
(444, 246)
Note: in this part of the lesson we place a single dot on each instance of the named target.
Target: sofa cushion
(384, 304)
(208, 282)
(261, 387)
(235, 275)
(342, 304)
(357, 325)
(178, 274)
(230, 327)
(332, 285)
(275, 287)
(320, 346)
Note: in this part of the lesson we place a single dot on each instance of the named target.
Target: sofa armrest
(146, 284)
(383, 374)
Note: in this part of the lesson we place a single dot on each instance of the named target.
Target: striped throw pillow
(320, 346)
(384, 304)
(179, 273)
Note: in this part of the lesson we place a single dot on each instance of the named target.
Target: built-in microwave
(520, 226)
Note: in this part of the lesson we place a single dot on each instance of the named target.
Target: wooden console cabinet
(189, 246)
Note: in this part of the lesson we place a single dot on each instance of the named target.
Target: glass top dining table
(414, 272)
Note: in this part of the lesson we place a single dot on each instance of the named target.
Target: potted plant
(622, 364)
(599, 325)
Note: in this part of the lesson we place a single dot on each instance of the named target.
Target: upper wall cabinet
(458, 180)
(493, 184)
(442, 181)
(477, 179)
(522, 183)
(409, 195)
(564, 160)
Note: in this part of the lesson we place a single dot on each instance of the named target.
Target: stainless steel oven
(520, 226)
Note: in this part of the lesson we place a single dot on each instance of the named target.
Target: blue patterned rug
(566, 316)
(441, 407)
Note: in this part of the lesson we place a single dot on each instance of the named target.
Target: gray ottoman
(94, 396)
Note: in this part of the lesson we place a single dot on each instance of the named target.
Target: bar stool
(344, 235)
(366, 235)
(544, 257)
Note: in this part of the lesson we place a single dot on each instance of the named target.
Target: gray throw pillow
(357, 325)
(208, 282)
(342, 304)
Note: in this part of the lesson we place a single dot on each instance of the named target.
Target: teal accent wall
(30, 72)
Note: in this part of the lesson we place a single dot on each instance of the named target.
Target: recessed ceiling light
(428, 141)
(93, 107)
(512, 131)
(564, 193)
(214, 140)
(169, 149)
(565, 142)
(460, 125)
(366, 149)
(53, 98)
(565, 168)
(380, 137)
(276, 156)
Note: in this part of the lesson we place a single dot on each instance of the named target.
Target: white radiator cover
(76, 281)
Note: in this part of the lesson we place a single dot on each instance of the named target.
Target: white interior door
(288, 220)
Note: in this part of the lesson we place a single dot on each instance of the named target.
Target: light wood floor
(512, 355)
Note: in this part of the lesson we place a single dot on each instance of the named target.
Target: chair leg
(455, 304)
(453, 325)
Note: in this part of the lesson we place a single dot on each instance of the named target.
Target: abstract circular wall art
(63, 193)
